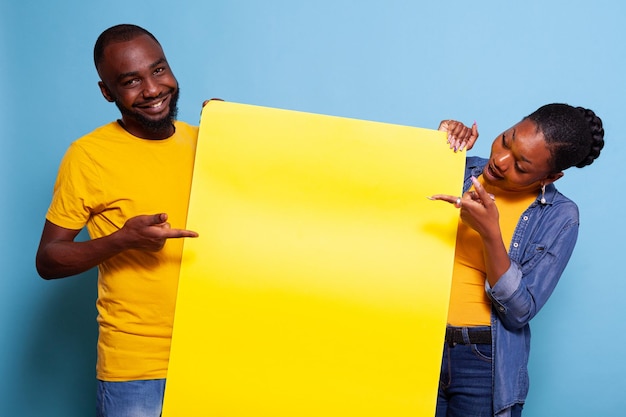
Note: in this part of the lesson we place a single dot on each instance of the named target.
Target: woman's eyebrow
(522, 157)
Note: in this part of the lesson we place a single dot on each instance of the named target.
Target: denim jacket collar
(475, 166)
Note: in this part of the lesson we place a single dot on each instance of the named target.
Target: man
(128, 182)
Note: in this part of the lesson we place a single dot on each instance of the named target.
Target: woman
(509, 201)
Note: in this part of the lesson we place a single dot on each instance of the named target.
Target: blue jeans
(465, 383)
(130, 398)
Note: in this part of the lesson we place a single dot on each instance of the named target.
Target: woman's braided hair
(574, 135)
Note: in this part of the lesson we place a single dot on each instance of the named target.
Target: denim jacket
(541, 246)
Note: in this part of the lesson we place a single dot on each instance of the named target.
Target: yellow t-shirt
(469, 304)
(105, 178)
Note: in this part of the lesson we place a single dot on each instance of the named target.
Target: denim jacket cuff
(506, 286)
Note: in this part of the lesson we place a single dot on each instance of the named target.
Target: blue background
(403, 62)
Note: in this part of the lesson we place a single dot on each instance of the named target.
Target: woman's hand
(478, 210)
(459, 135)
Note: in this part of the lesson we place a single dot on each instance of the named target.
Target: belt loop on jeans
(467, 336)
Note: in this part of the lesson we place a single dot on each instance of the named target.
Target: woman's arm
(526, 286)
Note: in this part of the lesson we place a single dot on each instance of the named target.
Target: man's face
(136, 76)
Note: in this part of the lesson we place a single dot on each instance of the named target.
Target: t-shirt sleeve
(76, 189)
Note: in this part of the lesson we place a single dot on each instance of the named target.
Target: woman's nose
(502, 161)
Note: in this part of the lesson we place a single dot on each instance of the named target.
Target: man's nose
(150, 88)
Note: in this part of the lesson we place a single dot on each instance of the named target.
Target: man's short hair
(118, 33)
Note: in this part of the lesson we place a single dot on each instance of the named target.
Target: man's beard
(154, 125)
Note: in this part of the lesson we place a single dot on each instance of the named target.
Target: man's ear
(105, 92)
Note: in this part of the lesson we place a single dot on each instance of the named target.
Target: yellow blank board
(319, 284)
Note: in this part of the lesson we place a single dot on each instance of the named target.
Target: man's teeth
(157, 104)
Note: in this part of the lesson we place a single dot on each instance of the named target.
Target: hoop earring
(543, 194)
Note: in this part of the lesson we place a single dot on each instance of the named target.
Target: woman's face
(519, 160)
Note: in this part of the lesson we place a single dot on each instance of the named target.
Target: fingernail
(430, 198)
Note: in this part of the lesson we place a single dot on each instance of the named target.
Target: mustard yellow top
(469, 304)
(105, 178)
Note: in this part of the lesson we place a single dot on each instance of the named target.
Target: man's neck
(147, 133)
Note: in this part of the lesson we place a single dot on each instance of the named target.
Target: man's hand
(60, 256)
(150, 232)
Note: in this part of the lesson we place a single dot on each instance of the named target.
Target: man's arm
(60, 256)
